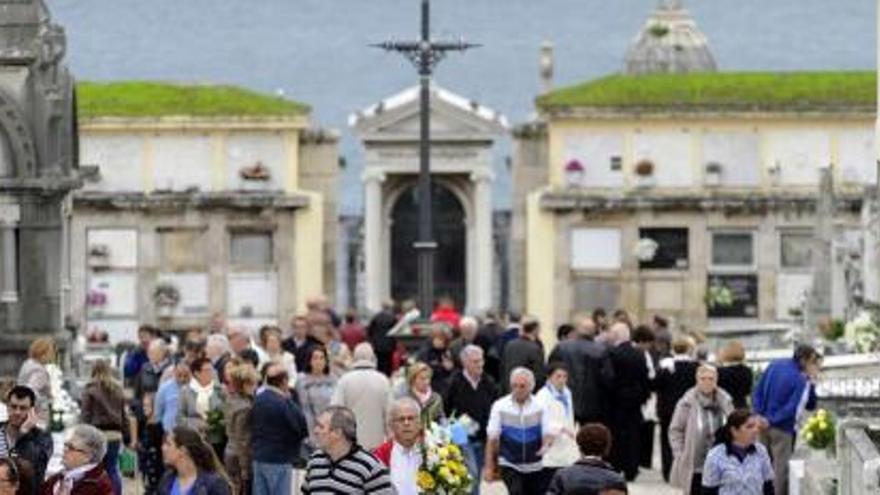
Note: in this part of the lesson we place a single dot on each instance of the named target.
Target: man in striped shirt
(341, 466)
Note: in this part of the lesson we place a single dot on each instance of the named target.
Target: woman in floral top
(738, 464)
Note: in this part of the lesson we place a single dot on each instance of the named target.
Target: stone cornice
(232, 200)
(39, 185)
(127, 124)
(672, 112)
(728, 203)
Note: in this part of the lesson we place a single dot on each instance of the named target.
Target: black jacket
(35, 447)
(377, 331)
(301, 353)
(462, 398)
(736, 380)
(590, 376)
(586, 477)
(526, 353)
(672, 384)
(630, 387)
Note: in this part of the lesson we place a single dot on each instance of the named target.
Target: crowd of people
(329, 406)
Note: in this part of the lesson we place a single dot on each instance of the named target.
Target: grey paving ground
(649, 483)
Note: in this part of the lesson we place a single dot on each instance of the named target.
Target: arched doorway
(449, 232)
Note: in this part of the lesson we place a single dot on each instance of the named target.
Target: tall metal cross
(425, 54)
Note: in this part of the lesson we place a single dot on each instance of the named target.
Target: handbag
(127, 462)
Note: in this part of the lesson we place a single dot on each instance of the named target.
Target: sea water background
(316, 50)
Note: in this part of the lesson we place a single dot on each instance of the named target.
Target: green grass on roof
(722, 91)
(154, 99)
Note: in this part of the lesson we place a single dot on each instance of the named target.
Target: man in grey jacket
(366, 392)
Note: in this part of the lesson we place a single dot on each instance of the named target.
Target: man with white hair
(630, 389)
(471, 392)
(82, 460)
(366, 392)
(469, 329)
(218, 351)
(518, 433)
(401, 452)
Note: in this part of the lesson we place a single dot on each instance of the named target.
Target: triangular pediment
(452, 118)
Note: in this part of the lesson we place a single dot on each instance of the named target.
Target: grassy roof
(155, 99)
(735, 91)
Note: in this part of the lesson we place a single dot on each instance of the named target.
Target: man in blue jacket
(278, 427)
(784, 392)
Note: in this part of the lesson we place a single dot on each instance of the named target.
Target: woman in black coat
(734, 376)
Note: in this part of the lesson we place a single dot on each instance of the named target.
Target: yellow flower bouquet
(819, 431)
(443, 468)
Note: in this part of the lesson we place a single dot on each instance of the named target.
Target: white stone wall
(750, 156)
(120, 158)
(738, 153)
(672, 154)
(798, 154)
(595, 152)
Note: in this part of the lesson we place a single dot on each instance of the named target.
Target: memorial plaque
(744, 294)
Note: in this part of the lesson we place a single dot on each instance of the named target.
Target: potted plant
(713, 174)
(99, 255)
(166, 297)
(256, 176)
(645, 173)
(574, 173)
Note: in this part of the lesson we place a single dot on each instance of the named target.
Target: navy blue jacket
(205, 484)
(278, 427)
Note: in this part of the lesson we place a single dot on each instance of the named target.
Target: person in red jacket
(83, 472)
(445, 312)
(401, 452)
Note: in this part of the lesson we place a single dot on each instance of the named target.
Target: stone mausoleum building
(643, 192)
(202, 200)
(38, 170)
(462, 136)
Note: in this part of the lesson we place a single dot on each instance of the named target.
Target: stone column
(819, 306)
(373, 272)
(10, 215)
(483, 243)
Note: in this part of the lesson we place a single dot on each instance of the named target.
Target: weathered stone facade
(731, 198)
(237, 214)
(38, 169)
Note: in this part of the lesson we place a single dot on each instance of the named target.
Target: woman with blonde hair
(103, 405)
(35, 375)
(418, 380)
(242, 385)
(734, 376)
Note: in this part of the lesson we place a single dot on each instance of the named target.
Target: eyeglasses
(71, 446)
(406, 419)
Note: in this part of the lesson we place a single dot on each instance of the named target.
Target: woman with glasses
(195, 468)
(83, 472)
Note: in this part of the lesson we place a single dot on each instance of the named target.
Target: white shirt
(404, 466)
